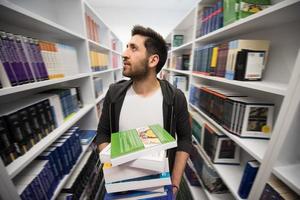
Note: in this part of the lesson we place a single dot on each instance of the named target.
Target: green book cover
(230, 11)
(126, 142)
(249, 7)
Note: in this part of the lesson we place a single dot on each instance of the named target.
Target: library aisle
(237, 62)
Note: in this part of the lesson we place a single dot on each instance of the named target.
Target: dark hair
(154, 43)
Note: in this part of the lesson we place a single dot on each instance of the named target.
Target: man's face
(135, 59)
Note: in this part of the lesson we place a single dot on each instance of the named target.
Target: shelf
(30, 86)
(280, 13)
(116, 52)
(255, 147)
(21, 162)
(15, 15)
(106, 71)
(290, 175)
(185, 46)
(186, 72)
(211, 196)
(197, 192)
(79, 163)
(95, 46)
(101, 97)
(231, 176)
(274, 88)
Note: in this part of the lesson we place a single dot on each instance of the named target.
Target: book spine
(22, 58)
(5, 60)
(247, 180)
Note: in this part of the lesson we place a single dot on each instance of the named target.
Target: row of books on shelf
(115, 60)
(239, 114)
(98, 84)
(276, 189)
(25, 60)
(93, 29)
(243, 60)
(212, 147)
(179, 81)
(178, 40)
(139, 169)
(180, 62)
(99, 61)
(25, 122)
(209, 18)
(84, 182)
(40, 179)
(224, 12)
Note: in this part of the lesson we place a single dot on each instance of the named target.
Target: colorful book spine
(248, 179)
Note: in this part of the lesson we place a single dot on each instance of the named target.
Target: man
(145, 100)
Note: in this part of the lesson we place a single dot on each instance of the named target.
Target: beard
(137, 71)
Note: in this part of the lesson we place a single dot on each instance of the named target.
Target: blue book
(63, 156)
(53, 152)
(136, 194)
(86, 136)
(139, 183)
(248, 178)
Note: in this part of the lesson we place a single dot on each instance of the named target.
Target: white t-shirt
(138, 111)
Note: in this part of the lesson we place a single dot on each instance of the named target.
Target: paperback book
(132, 144)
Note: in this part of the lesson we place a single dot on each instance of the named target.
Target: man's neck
(146, 86)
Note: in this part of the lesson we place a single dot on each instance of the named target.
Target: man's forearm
(102, 146)
(179, 166)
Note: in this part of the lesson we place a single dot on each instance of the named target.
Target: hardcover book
(248, 178)
(132, 144)
(220, 148)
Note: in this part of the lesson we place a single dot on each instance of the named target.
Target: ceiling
(146, 4)
(161, 15)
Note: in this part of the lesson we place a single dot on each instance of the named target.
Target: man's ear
(153, 60)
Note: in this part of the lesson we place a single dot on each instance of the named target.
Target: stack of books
(135, 164)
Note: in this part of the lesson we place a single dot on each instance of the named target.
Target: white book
(124, 172)
(154, 161)
(139, 183)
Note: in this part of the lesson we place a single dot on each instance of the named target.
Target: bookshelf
(65, 23)
(279, 24)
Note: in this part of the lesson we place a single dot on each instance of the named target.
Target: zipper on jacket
(171, 123)
(110, 119)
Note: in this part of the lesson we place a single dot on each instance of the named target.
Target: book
(125, 172)
(253, 117)
(177, 40)
(139, 183)
(276, 189)
(132, 195)
(132, 144)
(220, 148)
(249, 65)
(248, 178)
(153, 161)
(249, 7)
(86, 136)
(237, 45)
(230, 11)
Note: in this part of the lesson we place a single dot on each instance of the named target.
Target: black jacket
(175, 115)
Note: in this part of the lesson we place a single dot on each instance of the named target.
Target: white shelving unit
(60, 22)
(280, 85)
(197, 192)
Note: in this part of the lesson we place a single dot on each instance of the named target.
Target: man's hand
(178, 169)
(102, 146)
